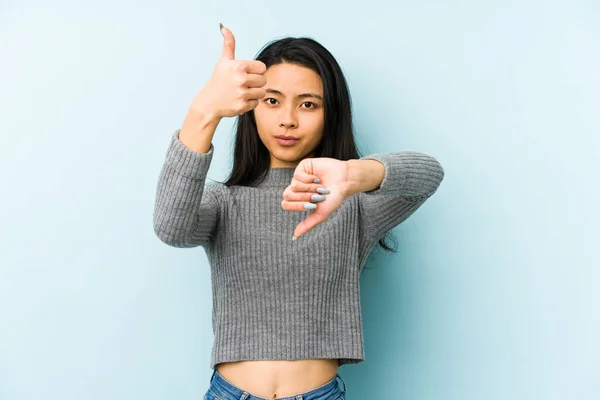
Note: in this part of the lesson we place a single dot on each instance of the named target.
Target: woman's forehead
(292, 79)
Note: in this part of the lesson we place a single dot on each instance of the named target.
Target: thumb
(228, 44)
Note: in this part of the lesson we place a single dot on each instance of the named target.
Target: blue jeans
(220, 389)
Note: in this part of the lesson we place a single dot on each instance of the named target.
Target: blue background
(494, 292)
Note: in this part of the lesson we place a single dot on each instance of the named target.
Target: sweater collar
(278, 177)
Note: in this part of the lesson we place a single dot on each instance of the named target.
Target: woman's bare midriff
(276, 378)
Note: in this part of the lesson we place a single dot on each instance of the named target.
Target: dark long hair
(251, 159)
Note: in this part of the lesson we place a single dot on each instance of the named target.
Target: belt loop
(344, 383)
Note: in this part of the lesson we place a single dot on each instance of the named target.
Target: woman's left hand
(298, 196)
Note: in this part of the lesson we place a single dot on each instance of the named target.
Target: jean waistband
(226, 389)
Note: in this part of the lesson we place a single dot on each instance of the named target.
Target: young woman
(288, 233)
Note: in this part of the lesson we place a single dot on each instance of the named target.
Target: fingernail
(317, 197)
(310, 206)
(317, 180)
(294, 238)
(220, 26)
(323, 191)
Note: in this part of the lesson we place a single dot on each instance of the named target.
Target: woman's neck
(278, 177)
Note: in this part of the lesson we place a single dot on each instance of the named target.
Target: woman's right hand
(235, 86)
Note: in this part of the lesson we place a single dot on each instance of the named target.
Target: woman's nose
(288, 118)
(287, 124)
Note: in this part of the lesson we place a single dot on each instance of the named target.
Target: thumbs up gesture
(235, 86)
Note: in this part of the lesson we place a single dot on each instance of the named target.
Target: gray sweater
(275, 298)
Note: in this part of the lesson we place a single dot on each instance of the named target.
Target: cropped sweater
(274, 298)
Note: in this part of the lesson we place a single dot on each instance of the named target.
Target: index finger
(255, 67)
(304, 182)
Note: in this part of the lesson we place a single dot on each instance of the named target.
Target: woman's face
(293, 106)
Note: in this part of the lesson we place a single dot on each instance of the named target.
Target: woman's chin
(285, 160)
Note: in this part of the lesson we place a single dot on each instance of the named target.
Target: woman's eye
(271, 101)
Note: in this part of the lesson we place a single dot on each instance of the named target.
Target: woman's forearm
(198, 130)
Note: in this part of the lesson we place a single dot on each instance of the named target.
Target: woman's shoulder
(221, 189)
(213, 190)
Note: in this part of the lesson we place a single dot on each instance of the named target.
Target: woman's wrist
(364, 175)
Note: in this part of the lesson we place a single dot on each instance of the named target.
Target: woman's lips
(286, 142)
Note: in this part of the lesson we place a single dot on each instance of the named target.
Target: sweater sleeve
(410, 179)
(186, 212)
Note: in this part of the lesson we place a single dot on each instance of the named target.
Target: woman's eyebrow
(300, 96)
